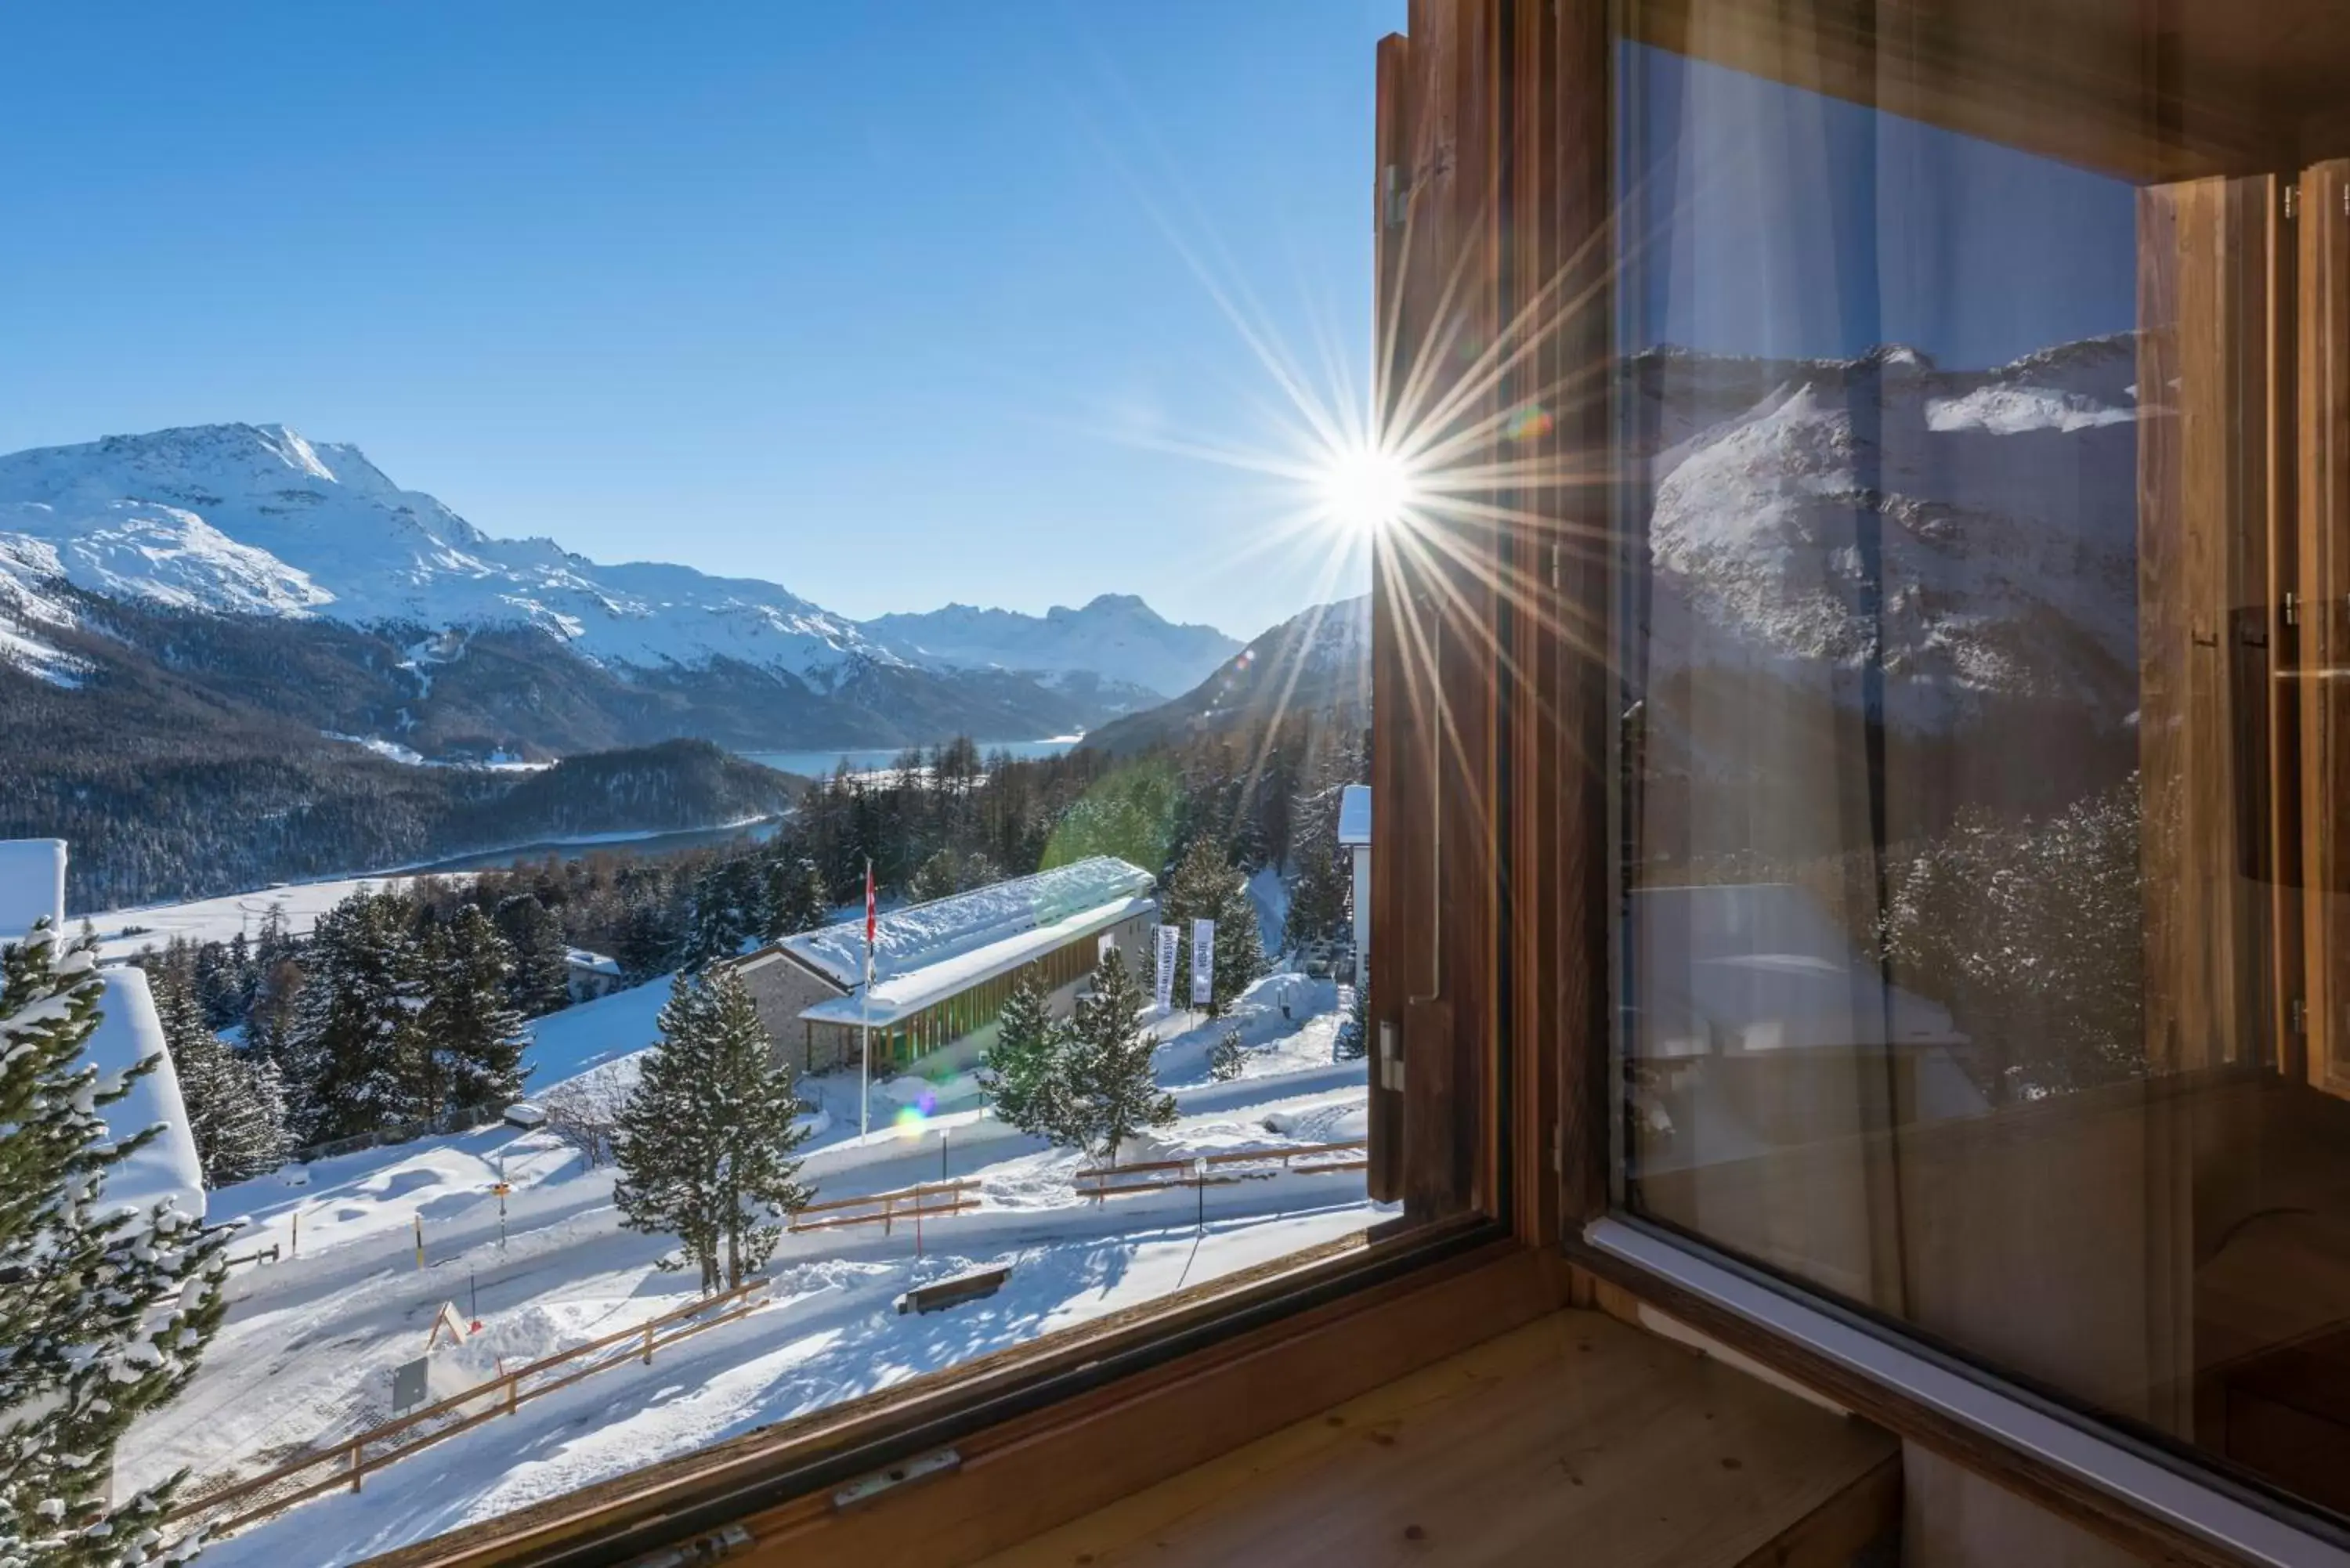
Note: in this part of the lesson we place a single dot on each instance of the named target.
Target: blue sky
(877, 301)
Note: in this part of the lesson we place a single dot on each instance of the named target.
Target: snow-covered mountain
(255, 519)
(1972, 535)
(1117, 637)
(1316, 663)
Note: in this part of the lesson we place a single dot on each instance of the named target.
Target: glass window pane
(1976, 768)
(737, 465)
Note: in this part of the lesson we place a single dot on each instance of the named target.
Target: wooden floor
(1572, 1441)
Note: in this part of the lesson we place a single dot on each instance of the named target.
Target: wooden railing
(894, 1208)
(500, 1395)
(1101, 1177)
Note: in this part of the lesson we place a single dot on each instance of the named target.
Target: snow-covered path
(307, 1354)
(833, 1335)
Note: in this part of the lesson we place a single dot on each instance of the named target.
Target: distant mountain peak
(1116, 635)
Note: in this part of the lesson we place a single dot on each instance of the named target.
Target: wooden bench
(955, 1292)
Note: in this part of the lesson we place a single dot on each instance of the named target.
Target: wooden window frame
(1504, 177)
(1992, 68)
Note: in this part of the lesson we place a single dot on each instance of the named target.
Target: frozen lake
(820, 765)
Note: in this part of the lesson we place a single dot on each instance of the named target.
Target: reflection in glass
(1962, 955)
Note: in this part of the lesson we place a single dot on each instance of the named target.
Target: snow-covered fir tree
(725, 911)
(1353, 1039)
(950, 871)
(223, 982)
(1110, 1085)
(705, 1144)
(1207, 886)
(237, 1110)
(106, 1311)
(1022, 1070)
(795, 900)
(470, 1032)
(541, 980)
(1321, 879)
(269, 1021)
(353, 1056)
(1227, 1058)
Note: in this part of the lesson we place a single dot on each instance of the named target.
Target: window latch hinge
(1395, 202)
(866, 1488)
(2292, 607)
(1390, 1057)
(715, 1547)
(2291, 202)
(2298, 1015)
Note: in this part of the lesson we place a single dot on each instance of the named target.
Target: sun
(1366, 488)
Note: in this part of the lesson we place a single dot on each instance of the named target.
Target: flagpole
(865, 1018)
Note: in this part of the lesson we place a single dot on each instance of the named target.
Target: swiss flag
(871, 928)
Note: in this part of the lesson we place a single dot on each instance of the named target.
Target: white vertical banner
(1105, 945)
(1203, 962)
(1169, 939)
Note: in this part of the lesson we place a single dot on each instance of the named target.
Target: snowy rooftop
(924, 934)
(936, 949)
(591, 962)
(32, 883)
(896, 996)
(1355, 816)
(128, 1033)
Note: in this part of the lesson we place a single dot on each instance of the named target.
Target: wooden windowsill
(1572, 1438)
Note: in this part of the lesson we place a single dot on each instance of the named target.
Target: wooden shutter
(1435, 607)
(2322, 617)
(2215, 723)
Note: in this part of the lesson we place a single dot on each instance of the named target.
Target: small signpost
(408, 1384)
(445, 1321)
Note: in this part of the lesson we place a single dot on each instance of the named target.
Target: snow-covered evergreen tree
(1321, 879)
(105, 1311)
(218, 986)
(541, 980)
(269, 1021)
(235, 1109)
(353, 1056)
(720, 920)
(1112, 1087)
(472, 1034)
(705, 1144)
(1227, 1058)
(1022, 1070)
(1206, 886)
(950, 871)
(1353, 1040)
(796, 900)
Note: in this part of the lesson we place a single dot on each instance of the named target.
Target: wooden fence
(1101, 1177)
(889, 1208)
(350, 1462)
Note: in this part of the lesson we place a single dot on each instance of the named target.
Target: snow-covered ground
(122, 932)
(307, 1354)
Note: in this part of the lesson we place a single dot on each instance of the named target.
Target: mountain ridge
(1116, 635)
(257, 522)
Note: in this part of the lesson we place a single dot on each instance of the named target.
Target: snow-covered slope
(1117, 636)
(1319, 661)
(256, 519)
